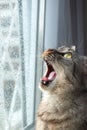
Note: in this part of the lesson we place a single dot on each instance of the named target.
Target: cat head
(64, 70)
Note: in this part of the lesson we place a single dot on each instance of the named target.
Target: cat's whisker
(40, 50)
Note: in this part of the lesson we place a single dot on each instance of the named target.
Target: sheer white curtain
(10, 66)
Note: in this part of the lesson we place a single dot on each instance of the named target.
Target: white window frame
(37, 36)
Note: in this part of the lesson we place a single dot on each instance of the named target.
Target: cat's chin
(47, 87)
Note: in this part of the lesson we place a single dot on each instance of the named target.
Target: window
(33, 34)
(21, 44)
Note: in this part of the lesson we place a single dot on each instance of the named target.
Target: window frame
(40, 29)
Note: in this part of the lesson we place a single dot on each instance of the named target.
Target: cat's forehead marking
(66, 49)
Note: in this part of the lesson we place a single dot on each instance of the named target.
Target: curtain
(66, 24)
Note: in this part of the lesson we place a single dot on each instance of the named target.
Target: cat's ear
(73, 48)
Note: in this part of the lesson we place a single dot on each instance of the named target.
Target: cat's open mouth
(49, 76)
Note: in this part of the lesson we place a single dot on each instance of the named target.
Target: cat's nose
(48, 52)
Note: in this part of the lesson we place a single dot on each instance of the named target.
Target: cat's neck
(62, 97)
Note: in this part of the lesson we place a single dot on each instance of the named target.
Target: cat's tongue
(51, 77)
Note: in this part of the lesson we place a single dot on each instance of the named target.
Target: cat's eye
(68, 55)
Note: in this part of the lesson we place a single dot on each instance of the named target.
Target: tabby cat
(64, 101)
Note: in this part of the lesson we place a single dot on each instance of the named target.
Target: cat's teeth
(44, 82)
